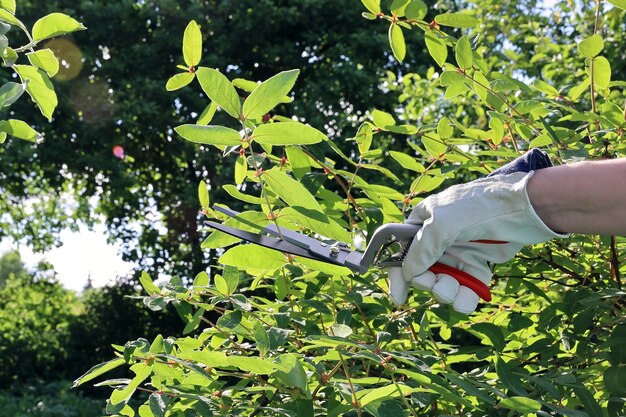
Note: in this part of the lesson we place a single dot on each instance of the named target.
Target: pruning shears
(386, 248)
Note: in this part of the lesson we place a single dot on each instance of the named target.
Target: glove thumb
(426, 249)
(398, 287)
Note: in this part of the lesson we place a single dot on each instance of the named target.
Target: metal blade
(289, 235)
(265, 241)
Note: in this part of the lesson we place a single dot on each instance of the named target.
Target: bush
(295, 337)
(53, 399)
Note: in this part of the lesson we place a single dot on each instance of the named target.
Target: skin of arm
(584, 197)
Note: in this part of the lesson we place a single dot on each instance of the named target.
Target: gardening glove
(469, 227)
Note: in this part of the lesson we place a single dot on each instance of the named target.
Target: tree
(112, 95)
(297, 337)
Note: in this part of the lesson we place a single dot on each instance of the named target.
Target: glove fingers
(466, 301)
(445, 289)
(424, 281)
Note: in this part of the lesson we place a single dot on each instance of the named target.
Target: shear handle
(464, 279)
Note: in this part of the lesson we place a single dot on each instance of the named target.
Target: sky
(84, 254)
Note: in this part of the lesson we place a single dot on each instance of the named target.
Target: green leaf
(589, 403)
(220, 90)
(493, 332)
(480, 85)
(261, 338)
(231, 278)
(445, 128)
(179, 81)
(39, 87)
(619, 3)
(201, 279)
(7, 16)
(148, 284)
(508, 378)
(269, 94)
(340, 330)
(252, 256)
(287, 133)
(20, 129)
(209, 135)
(207, 114)
(416, 10)
(457, 20)
(372, 5)
(98, 370)
(143, 371)
(382, 119)
(3, 137)
(614, 378)
(398, 7)
(591, 46)
(522, 405)
(192, 44)
(389, 391)
(9, 56)
(293, 374)
(44, 59)
(258, 366)
(230, 320)
(203, 195)
(10, 93)
(241, 169)
(463, 53)
(291, 191)
(396, 40)
(601, 72)
(407, 161)
(55, 24)
(436, 47)
(194, 321)
(8, 4)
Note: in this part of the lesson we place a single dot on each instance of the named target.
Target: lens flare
(118, 151)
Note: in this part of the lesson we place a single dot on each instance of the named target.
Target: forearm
(584, 197)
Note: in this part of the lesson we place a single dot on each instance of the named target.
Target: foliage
(50, 400)
(294, 337)
(34, 325)
(34, 77)
(111, 94)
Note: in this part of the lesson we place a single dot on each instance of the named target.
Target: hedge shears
(386, 249)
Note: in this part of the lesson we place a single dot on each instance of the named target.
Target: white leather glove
(468, 227)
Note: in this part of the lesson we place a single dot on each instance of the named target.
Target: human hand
(469, 227)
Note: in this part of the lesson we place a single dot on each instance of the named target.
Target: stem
(346, 371)
(404, 400)
(256, 169)
(412, 191)
(615, 263)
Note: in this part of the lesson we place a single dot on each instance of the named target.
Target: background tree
(111, 93)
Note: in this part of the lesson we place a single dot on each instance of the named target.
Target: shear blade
(265, 241)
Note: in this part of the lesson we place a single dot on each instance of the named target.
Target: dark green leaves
(269, 94)
(522, 405)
